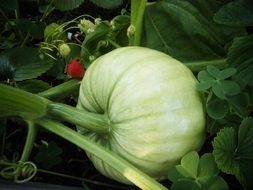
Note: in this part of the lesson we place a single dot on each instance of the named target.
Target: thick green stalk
(15, 101)
(197, 66)
(135, 29)
(62, 90)
(91, 121)
(134, 175)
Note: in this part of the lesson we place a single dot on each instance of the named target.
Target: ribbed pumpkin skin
(156, 113)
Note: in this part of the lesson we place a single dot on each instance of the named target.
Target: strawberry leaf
(233, 152)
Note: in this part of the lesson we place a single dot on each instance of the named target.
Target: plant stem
(63, 90)
(134, 175)
(137, 12)
(30, 138)
(197, 66)
(114, 44)
(91, 121)
(15, 101)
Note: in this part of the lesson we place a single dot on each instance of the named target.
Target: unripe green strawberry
(64, 49)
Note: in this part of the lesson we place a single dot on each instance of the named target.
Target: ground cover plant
(152, 95)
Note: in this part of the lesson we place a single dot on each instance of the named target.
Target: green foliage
(48, 155)
(227, 92)
(233, 151)
(105, 37)
(9, 5)
(215, 79)
(33, 85)
(6, 69)
(186, 31)
(217, 108)
(208, 36)
(107, 4)
(196, 173)
(236, 13)
(66, 5)
(26, 63)
(240, 57)
(33, 28)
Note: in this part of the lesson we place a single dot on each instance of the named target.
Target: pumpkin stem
(95, 122)
(130, 172)
(137, 12)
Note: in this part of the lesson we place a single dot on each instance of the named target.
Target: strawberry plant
(157, 95)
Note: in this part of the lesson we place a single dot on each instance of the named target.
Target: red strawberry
(75, 69)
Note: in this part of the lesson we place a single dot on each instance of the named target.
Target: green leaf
(35, 29)
(197, 173)
(48, 155)
(245, 139)
(6, 69)
(205, 76)
(204, 85)
(240, 103)
(216, 183)
(108, 4)
(27, 63)
(33, 85)
(245, 151)
(217, 109)
(236, 13)
(183, 183)
(10, 4)
(206, 80)
(226, 73)
(224, 150)
(207, 167)
(233, 152)
(190, 163)
(240, 57)
(213, 71)
(230, 88)
(217, 89)
(225, 88)
(66, 5)
(186, 30)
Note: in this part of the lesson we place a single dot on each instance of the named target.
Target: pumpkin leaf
(193, 35)
(240, 57)
(236, 13)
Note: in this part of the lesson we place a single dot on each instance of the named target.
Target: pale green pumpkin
(155, 113)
